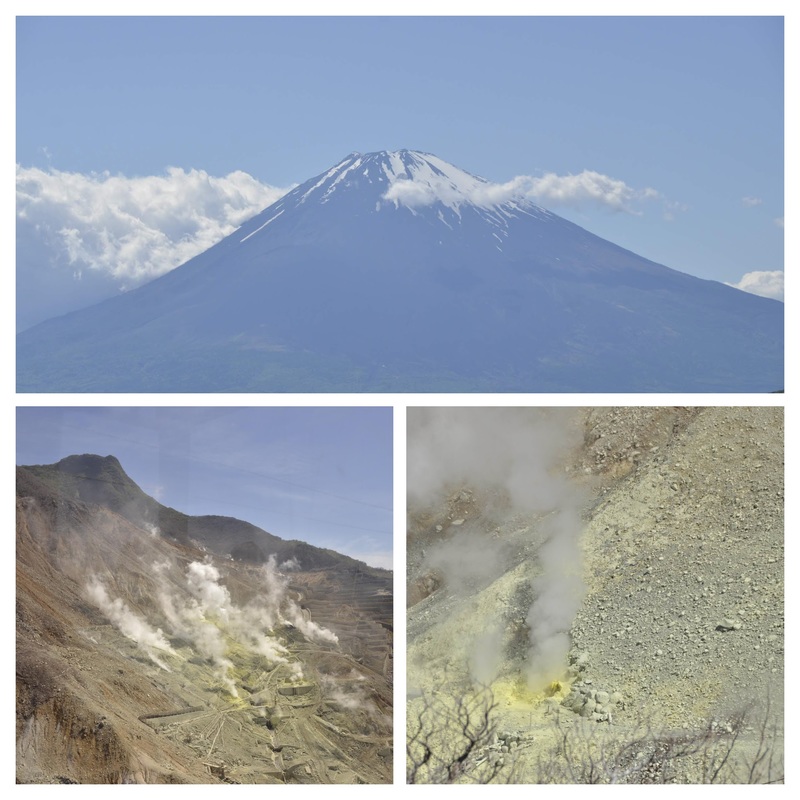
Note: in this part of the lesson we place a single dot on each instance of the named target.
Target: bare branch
(448, 738)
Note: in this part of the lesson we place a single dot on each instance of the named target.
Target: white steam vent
(512, 457)
(198, 609)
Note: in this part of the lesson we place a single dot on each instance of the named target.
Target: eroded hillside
(154, 660)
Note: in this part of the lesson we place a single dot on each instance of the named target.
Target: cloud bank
(106, 233)
(586, 189)
(767, 283)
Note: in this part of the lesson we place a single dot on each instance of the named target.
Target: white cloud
(779, 221)
(588, 188)
(126, 231)
(751, 202)
(671, 208)
(767, 283)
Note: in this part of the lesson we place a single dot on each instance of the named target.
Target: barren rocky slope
(152, 660)
(679, 627)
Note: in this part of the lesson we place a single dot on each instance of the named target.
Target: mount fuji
(396, 271)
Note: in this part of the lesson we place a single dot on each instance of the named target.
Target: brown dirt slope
(94, 707)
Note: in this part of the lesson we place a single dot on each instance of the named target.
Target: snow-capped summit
(455, 203)
(405, 178)
(397, 271)
(413, 181)
(390, 171)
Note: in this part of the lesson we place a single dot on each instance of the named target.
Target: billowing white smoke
(190, 621)
(348, 694)
(210, 615)
(511, 453)
(558, 591)
(200, 610)
(508, 449)
(129, 624)
(209, 618)
(153, 530)
(277, 586)
(202, 581)
(311, 630)
(464, 561)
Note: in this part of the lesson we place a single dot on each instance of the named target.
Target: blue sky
(322, 475)
(689, 108)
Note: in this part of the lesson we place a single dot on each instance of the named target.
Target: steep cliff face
(666, 617)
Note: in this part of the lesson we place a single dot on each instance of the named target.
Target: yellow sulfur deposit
(555, 687)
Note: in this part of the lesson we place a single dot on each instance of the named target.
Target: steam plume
(511, 453)
(348, 694)
(558, 591)
(199, 609)
(129, 624)
(209, 618)
(277, 586)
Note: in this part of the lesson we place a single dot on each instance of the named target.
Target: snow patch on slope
(271, 219)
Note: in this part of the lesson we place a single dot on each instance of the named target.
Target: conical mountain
(396, 271)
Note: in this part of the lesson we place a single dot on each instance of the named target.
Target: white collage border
(400, 402)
